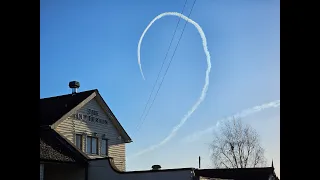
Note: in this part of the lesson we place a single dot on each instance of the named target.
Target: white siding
(41, 171)
(72, 126)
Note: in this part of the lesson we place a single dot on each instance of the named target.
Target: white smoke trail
(204, 89)
(197, 135)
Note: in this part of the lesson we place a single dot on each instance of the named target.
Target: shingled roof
(53, 108)
(55, 148)
(237, 173)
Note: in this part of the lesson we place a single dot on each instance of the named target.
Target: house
(86, 121)
(81, 139)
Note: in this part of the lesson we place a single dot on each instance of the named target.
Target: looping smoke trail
(205, 87)
(195, 136)
(203, 37)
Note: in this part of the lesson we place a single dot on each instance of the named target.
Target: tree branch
(237, 145)
(233, 154)
(228, 159)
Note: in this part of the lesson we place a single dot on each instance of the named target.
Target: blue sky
(95, 42)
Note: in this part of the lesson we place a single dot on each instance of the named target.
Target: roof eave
(73, 110)
(123, 133)
(95, 93)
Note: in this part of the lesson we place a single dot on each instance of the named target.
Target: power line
(147, 112)
(145, 108)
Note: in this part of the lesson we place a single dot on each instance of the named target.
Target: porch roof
(55, 148)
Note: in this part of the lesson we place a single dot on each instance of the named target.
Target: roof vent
(74, 85)
(156, 167)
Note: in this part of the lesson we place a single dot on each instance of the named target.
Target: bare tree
(236, 146)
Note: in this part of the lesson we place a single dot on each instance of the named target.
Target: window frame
(106, 153)
(97, 145)
(81, 141)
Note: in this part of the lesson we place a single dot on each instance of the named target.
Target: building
(86, 121)
(81, 139)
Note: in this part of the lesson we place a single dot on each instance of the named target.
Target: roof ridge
(93, 90)
(52, 109)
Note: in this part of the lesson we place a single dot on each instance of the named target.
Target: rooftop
(55, 148)
(53, 108)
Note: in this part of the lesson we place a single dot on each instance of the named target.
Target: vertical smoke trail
(205, 87)
(195, 136)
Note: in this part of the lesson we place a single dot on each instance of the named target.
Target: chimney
(74, 85)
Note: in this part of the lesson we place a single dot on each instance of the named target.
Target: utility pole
(199, 162)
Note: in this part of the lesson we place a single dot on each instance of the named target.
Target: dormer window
(92, 145)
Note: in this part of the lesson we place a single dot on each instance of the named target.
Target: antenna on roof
(74, 85)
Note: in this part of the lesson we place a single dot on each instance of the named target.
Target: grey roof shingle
(53, 108)
(54, 148)
(47, 152)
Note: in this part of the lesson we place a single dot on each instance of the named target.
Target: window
(79, 141)
(104, 147)
(92, 145)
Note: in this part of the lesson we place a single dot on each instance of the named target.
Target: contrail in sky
(197, 135)
(204, 89)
